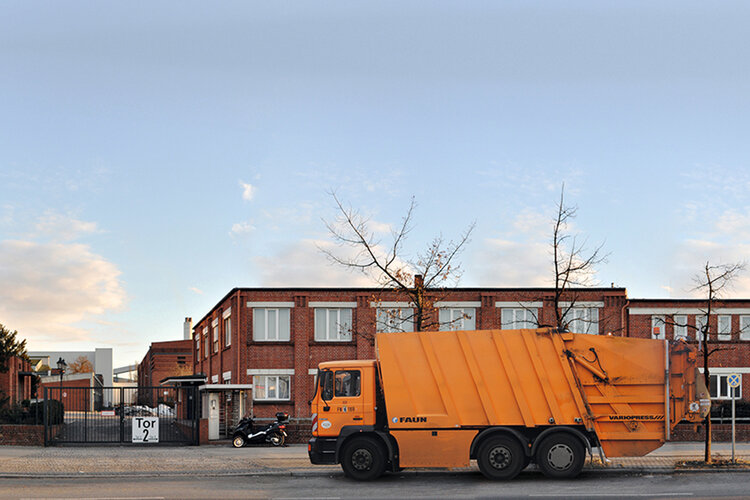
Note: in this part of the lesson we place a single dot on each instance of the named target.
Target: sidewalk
(17, 461)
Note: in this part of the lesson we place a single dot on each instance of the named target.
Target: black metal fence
(121, 415)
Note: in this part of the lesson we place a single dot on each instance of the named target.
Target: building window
(271, 387)
(725, 327)
(395, 319)
(271, 324)
(658, 326)
(744, 327)
(198, 347)
(227, 331)
(583, 320)
(516, 318)
(216, 337)
(680, 327)
(720, 389)
(457, 318)
(700, 323)
(205, 343)
(333, 324)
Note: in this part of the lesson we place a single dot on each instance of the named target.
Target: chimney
(418, 281)
(188, 329)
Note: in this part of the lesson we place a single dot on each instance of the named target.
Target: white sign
(145, 429)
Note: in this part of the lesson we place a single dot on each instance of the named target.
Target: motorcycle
(247, 432)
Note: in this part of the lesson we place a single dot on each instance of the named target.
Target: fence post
(122, 414)
(44, 417)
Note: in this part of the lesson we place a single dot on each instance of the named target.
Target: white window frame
(227, 331)
(680, 326)
(280, 334)
(584, 320)
(263, 380)
(727, 395)
(394, 319)
(724, 327)
(198, 346)
(334, 320)
(457, 318)
(215, 330)
(699, 324)
(658, 327)
(744, 327)
(515, 318)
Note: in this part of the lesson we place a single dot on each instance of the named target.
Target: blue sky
(155, 155)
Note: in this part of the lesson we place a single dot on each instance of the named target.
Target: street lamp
(61, 364)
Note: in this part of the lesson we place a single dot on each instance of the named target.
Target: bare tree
(574, 266)
(713, 281)
(420, 281)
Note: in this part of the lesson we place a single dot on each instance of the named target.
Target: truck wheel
(501, 457)
(238, 441)
(363, 459)
(561, 456)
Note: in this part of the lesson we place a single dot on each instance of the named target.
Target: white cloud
(60, 227)
(303, 264)
(196, 290)
(501, 262)
(49, 287)
(248, 191)
(241, 228)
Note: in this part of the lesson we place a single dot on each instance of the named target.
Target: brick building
(163, 360)
(273, 339)
(729, 330)
(15, 384)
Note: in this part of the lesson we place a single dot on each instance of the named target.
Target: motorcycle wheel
(277, 439)
(238, 441)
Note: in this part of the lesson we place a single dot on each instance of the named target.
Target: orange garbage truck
(505, 398)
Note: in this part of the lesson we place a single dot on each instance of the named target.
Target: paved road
(150, 460)
(334, 486)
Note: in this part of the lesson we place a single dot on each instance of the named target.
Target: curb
(322, 473)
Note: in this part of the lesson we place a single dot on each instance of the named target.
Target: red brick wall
(76, 394)
(13, 385)
(162, 360)
(24, 435)
(302, 352)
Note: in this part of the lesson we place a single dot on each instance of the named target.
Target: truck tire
(363, 459)
(560, 456)
(501, 457)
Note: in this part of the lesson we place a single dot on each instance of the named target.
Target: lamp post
(61, 364)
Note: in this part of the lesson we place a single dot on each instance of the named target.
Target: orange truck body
(441, 399)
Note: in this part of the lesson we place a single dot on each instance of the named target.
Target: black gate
(121, 415)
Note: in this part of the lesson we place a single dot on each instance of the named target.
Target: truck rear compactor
(504, 398)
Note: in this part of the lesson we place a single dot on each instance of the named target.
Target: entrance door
(213, 415)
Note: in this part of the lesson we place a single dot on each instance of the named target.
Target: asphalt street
(336, 486)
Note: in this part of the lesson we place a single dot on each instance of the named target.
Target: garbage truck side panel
(530, 380)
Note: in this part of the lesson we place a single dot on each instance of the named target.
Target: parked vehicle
(247, 432)
(503, 397)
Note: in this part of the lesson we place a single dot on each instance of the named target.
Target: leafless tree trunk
(418, 281)
(574, 265)
(713, 281)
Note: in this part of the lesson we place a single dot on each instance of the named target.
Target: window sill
(273, 401)
(334, 342)
(269, 342)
